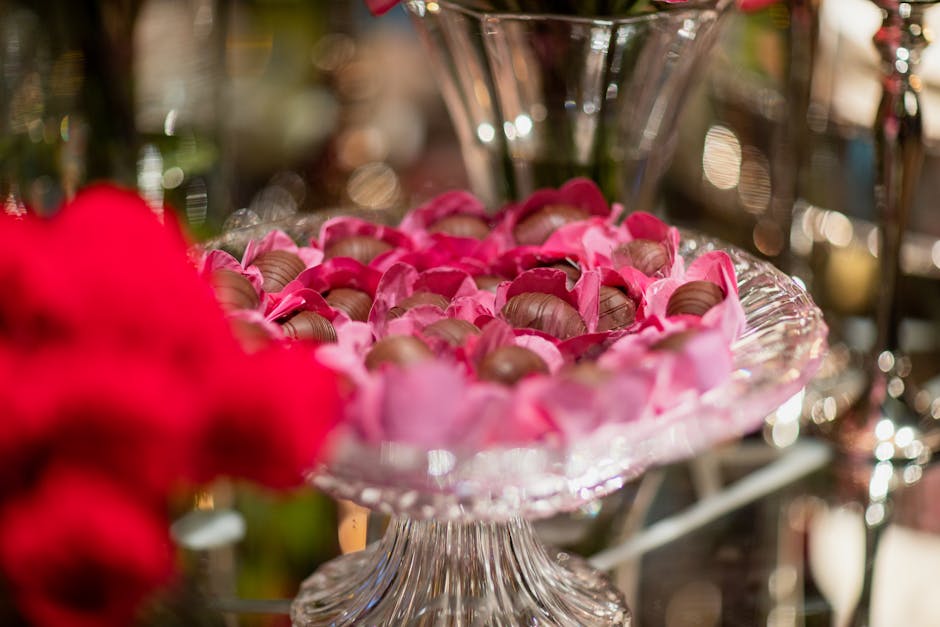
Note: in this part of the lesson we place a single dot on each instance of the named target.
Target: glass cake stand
(459, 549)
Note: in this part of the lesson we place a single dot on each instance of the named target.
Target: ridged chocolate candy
(544, 312)
(278, 267)
(488, 282)
(572, 272)
(645, 255)
(675, 341)
(452, 330)
(233, 291)
(400, 350)
(461, 226)
(694, 298)
(354, 303)
(616, 309)
(359, 247)
(509, 364)
(416, 299)
(252, 336)
(535, 228)
(308, 325)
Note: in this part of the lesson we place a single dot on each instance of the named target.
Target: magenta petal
(339, 272)
(338, 228)
(275, 240)
(447, 204)
(544, 280)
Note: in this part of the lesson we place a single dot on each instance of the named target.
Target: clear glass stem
(458, 573)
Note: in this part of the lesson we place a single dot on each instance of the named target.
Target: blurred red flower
(79, 553)
(120, 379)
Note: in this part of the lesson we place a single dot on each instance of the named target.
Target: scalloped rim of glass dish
(666, 8)
(773, 359)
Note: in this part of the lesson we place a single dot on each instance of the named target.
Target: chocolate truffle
(645, 255)
(461, 226)
(615, 308)
(416, 299)
(509, 364)
(674, 341)
(694, 298)
(451, 330)
(278, 267)
(544, 312)
(252, 336)
(488, 282)
(399, 350)
(308, 325)
(572, 271)
(359, 247)
(233, 290)
(354, 303)
(536, 227)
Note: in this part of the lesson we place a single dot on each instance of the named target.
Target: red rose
(117, 414)
(78, 553)
(267, 417)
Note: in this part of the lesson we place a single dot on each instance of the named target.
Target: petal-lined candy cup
(430, 404)
(340, 272)
(233, 290)
(514, 262)
(397, 351)
(550, 316)
(590, 240)
(588, 347)
(402, 287)
(308, 325)
(712, 267)
(451, 331)
(420, 300)
(347, 286)
(278, 268)
(469, 255)
(372, 244)
(534, 220)
(279, 240)
(448, 204)
(510, 364)
(647, 256)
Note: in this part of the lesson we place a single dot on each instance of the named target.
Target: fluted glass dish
(773, 359)
(460, 550)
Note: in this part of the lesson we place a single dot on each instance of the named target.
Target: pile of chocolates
(544, 319)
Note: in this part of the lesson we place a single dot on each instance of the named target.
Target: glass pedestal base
(458, 573)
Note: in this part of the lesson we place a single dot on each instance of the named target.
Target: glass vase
(537, 99)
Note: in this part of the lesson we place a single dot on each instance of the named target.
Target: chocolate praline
(616, 310)
(536, 227)
(399, 350)
(488, 282)
(645, 255)
(362, 248)
(233, 291)
(451, 330)
(461, 225)
(509, 364)
(571, 270)
(544, 312)
(694, 298)
(418, 299)
(354, 303)
(308, 325)
(674, 342)
(278, 268)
